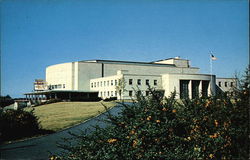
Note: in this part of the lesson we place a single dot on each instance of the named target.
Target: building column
(200, 89)
(209, 91)
(190, 89)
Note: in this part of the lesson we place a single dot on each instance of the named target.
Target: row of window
(115, 82)
(114, 93)
(108, 93)
(131, 93)
(147, 82)
(226, 84)
(104, 83)
(57, 86)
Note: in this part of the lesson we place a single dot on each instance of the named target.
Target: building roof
(126, 62)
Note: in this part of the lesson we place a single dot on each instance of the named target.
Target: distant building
(226, 84)
(121, 79)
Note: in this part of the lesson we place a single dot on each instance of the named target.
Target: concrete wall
(171, 82)
(60, 74)
(111, 69)
(226, 84)
(87, 71)
(77, 75)
(107, 86)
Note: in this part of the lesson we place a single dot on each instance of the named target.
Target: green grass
(61, 115)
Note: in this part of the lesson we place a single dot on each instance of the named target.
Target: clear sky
(39, 33)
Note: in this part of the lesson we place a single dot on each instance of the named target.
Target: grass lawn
(57, 116)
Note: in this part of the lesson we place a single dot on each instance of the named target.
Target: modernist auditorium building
(122, 79)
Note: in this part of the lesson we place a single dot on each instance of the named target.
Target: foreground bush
(16, 124)
(161, 128)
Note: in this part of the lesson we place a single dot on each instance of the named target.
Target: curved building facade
(122, 79)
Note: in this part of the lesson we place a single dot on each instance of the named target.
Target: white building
(121, 79)
(226, 84)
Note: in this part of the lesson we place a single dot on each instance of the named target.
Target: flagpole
(211, 72)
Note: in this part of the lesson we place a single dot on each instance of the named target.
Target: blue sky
(39, 33)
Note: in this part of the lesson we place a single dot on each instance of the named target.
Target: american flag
(213, 57)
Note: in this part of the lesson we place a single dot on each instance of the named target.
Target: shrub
(161, 128)
(5, 101)
(16, 124)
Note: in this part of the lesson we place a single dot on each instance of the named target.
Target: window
(111, 93)
(101, 84)
(195, 88)
(155, 82)
(95, 84)
(219, 84)
(59, 86)
(104, 93)
(147, 93)
(115, 93)
(184, 88)
(104, 83)
(130, 93)
(225, 84)
(147, 81)
(100, 94)
(108, 93)
(130, 81)
(63, 85)
(111, 82)
(107, 83)
(138, 81)
(116, 82)
(139, 93)
(231, 84)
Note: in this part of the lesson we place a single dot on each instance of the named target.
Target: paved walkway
(40, 148)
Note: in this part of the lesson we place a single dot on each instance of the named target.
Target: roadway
(41, 148)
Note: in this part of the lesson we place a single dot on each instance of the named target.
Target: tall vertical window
(155, 82)
(107, 83)
(63, 85)
(205, 88)
(115, 93)
(231, 84)
(101, 83)
(112, 94)
(116, 82)
(138, 81)
(219, 84)
(130, 93)
(184, 89)
(111, 82)
(91, 85)
(225, 84)
(104, 83)
(139, 93)
(147, 81)
(130, 81)
(100, 94)
(95, 84)
(108, 93)
(195, 89)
